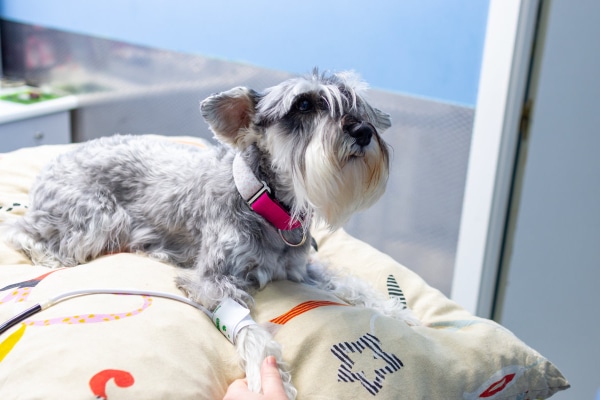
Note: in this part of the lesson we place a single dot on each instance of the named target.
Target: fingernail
(270, 360)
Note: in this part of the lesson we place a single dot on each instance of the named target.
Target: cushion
(112, 346)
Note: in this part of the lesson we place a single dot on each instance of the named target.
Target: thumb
(270, 378)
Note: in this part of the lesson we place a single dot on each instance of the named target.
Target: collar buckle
(261, 191)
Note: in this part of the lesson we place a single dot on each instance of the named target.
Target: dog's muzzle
(361, 131)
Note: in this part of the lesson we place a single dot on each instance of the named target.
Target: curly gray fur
(314, 140)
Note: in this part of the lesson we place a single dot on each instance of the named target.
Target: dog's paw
(254, 343)
(290, 390)
(38, 252)
(410, 318)
(394, 308)
(187, 286)
(255, 385)
(253, 377)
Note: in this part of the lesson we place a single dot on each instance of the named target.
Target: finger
(270, 378)
(237, 390)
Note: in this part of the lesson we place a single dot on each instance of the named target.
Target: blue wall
(428, 48)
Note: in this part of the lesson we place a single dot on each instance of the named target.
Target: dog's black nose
(361, 131)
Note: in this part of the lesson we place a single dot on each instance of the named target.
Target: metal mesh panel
(124, 88)
(417, 220)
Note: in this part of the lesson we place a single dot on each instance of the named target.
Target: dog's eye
(305, 105)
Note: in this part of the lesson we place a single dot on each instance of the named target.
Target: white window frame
(500, 100)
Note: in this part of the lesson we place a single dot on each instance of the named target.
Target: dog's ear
(230, 113)
(382, 121)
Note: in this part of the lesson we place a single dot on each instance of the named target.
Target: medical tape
(230, 317)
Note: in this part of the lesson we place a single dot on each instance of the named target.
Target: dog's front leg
(359, 293)
(253, 344)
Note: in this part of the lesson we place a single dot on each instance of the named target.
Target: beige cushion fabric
(136, 347)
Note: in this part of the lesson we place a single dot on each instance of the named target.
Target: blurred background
(143, 66)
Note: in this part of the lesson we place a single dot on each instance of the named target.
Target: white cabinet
(26, 125)
(45, 129)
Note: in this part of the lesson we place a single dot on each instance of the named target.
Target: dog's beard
(331, 178)
(328, 176)
(341, 179)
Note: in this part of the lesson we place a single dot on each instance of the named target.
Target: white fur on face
(340, 92)
(323, 171)
(330, 178)
(338, 182)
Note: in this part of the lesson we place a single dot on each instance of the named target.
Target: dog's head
(318, 137)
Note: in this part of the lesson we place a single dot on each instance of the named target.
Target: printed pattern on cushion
(122, 347)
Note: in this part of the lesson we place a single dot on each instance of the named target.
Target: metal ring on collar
(294, 244)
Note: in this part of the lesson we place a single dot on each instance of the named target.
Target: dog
(235, 216)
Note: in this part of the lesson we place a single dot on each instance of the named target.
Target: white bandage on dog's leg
(229, 317)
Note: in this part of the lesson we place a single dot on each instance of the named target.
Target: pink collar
(258, 196)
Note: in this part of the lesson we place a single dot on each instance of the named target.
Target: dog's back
(121, 193)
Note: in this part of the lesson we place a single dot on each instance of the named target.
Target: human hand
(272, 386)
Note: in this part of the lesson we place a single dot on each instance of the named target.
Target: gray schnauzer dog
(237, 216)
